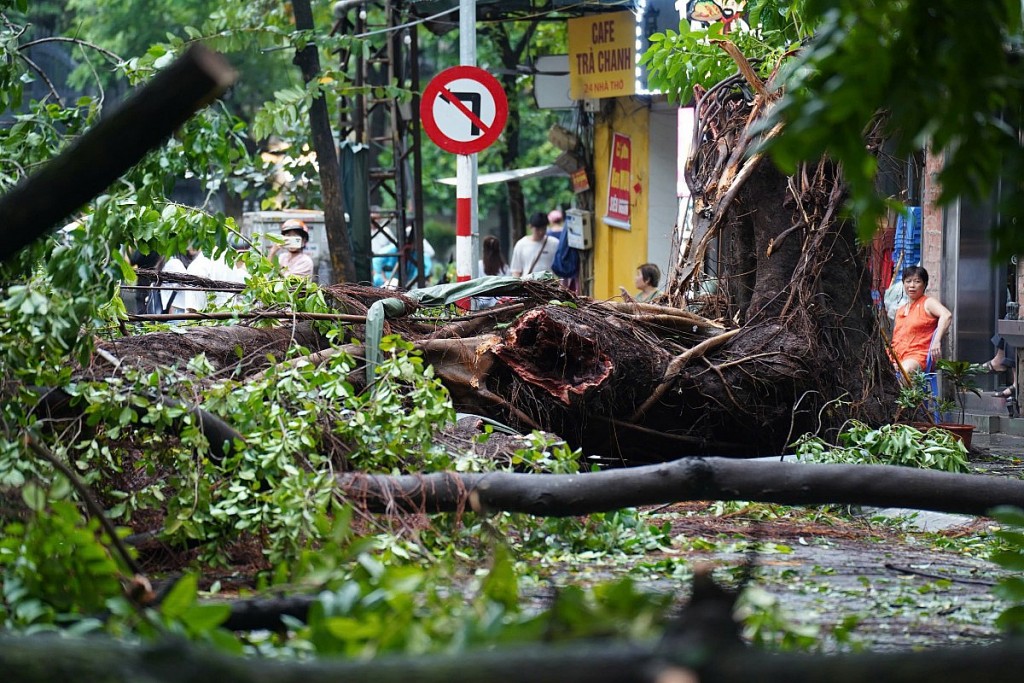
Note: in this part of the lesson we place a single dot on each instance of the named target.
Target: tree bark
(774, 254)
(41, 659)
(308, 60)
(245, 350)
(564, 495)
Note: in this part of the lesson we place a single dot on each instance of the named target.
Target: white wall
(662, 204)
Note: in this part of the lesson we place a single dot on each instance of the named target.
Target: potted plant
(918, 398)
(960, 374)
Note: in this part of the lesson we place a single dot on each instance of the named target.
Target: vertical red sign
(620, 175)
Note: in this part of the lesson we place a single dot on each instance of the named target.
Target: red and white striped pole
(463, 218)
(466, 223)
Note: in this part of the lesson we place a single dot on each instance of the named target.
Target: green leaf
(1012, 620)
(501, 584)
(202, 619)
(1010, 589)
(34, 497)
(1008, 514)
(1009, 560)
(181, 597)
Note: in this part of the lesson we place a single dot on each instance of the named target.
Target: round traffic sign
(463, 109)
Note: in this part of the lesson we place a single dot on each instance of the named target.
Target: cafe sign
(602, 56)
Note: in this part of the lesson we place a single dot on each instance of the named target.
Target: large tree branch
(111, 147)
(43, 658)
(563, 495)
(114, 57)
(746, 70)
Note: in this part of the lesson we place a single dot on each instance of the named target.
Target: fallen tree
(784, 306)
(619, 380)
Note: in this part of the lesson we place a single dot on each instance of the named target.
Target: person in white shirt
(173, 300)
(292, 258)
(535, 252)
(236, 273)
(203, 267)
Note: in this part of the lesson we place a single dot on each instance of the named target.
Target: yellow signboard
(602, 56)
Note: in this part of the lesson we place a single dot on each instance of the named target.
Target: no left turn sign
(463, 109)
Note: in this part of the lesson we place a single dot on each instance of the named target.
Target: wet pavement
(857, 577)
(1006, 449)
(911, 579)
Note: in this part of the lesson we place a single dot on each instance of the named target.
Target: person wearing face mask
(920, 324)
(291, 255)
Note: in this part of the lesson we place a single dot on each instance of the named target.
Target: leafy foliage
(681, 60)
(894, 444)
(916, 401)
(55, 565)
(945, 75)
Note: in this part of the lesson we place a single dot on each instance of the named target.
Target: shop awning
(515, 174)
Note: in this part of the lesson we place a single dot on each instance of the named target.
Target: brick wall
(932, 221)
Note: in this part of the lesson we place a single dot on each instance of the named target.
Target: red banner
(620, 176)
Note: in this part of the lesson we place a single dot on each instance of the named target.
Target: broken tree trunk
(563, 495)
(581, 372)
(640, 383)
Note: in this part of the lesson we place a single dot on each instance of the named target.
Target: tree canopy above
(943, 75)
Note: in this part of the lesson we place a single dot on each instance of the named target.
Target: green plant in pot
(960, 374)
(917, 403)
(923, 409)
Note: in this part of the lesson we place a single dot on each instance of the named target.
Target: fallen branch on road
(49, 658)
(688, 479)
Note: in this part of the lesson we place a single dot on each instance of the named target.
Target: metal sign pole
(467, 224)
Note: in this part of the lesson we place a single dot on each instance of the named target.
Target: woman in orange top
(920, 323)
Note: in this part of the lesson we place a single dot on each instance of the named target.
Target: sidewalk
(1007, 444)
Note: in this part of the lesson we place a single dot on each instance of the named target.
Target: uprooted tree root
(785, 266)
